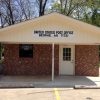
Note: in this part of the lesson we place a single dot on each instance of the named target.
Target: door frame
(61, 46)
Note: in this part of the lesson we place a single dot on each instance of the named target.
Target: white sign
(53, 33)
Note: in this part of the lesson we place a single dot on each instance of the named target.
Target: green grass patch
(1, 61)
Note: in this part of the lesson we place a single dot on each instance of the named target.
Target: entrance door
(66, 60)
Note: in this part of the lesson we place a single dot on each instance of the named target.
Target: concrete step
(16, 85)
(86, 87)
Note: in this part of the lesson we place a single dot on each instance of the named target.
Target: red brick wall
(87, 60)
(40, 64)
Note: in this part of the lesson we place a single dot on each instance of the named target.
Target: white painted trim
(74, 59)
(52, 61)
(59, 58)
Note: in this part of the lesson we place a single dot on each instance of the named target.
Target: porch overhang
(24, 32)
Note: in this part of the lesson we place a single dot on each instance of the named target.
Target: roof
(23, 32)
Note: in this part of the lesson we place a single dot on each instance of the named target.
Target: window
(66, 54)
(26, 50)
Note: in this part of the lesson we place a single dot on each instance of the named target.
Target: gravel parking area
(49, 94)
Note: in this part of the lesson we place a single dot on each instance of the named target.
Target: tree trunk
(42, 5)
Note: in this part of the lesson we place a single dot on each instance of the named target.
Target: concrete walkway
(40, 82)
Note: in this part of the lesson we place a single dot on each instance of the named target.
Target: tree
(14, 11)
(9, 8)
(67, 7)
(25, 8)
(41, 6)
(85, 10)
(91, 13)
(94, 5)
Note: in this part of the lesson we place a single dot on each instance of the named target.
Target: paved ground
(40, 82)
(49, 94)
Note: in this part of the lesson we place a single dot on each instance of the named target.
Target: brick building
(51, 45)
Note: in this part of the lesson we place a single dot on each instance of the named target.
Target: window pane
(25, 50)
(66, 54)
(69, 54)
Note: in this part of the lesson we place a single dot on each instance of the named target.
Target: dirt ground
(49, 94)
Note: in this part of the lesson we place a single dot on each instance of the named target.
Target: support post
(52, 61)
(0, 51)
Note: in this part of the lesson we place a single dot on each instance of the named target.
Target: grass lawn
(1, 61)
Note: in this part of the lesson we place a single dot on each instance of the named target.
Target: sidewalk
(45, 82)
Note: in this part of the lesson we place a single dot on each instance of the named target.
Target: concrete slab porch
(45, 81)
